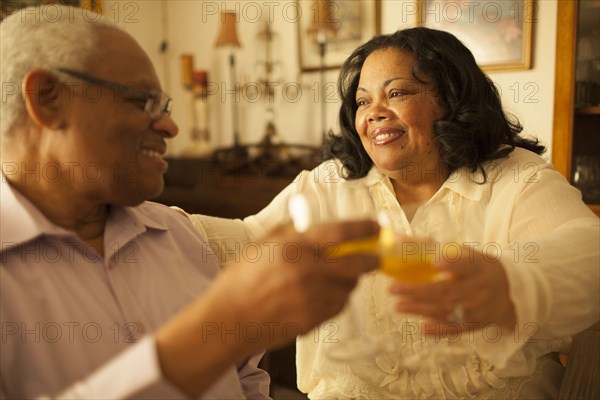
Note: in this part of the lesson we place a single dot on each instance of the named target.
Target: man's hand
(297, 283)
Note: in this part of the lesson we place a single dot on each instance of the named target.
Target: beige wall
(190, 26)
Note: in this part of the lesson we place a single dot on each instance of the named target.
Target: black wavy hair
(475, 128)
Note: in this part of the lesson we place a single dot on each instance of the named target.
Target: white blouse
(526, 214)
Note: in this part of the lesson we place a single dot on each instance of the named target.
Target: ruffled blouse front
(410, 364)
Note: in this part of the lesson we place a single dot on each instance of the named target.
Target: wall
(192, 26)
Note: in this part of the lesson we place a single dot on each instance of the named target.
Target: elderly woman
(422, 127)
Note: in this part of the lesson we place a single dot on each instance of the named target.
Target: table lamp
(228, 38)
(323, 29)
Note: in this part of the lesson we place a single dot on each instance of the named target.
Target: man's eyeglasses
(155, 104)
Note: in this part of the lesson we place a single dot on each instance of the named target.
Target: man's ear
(45, 98)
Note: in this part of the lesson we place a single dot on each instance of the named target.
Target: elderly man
(99, 289)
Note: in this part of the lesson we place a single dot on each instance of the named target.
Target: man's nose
(166, 124)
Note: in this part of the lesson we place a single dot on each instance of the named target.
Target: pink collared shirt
(76, 325)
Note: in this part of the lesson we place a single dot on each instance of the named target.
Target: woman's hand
(474, 290)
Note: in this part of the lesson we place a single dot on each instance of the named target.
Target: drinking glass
(409, 254)
(410, 250)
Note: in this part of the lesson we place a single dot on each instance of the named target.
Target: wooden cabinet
(576, 133)
(232, 186)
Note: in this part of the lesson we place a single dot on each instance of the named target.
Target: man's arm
(132, 374)
(283, 294)
(308, 287)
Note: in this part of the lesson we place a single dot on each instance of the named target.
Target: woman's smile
(383, 136)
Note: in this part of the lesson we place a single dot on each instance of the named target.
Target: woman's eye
(360, 102)
(396, 93)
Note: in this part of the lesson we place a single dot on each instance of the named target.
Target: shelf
(588, 110)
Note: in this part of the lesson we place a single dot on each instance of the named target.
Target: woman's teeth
(383, 136)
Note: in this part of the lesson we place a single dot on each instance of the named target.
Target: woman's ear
(45, 98)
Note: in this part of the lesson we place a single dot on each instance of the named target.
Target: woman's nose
(378, 111)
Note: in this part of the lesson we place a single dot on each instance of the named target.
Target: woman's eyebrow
(386, 83)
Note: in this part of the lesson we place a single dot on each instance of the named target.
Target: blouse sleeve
(227, 235)
(227, 238)
(552, 263)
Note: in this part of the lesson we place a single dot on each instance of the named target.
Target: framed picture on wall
(11, 6)
(353, 21)
(92, 5)
(498, 32)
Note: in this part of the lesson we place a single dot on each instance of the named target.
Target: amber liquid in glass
(414, 267)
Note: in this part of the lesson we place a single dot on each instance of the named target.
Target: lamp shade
(228, 34)
(324, 19)
(187, 69)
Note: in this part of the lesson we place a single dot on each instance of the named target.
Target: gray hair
(47, 36)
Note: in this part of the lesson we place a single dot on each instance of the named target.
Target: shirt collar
(462, 181)
(21, 221)
(138, 216)
(466, 183)
(374, 176)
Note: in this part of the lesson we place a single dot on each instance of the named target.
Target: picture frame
(11, 6)
(356, 21)
(92, 5)
(498, 32)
